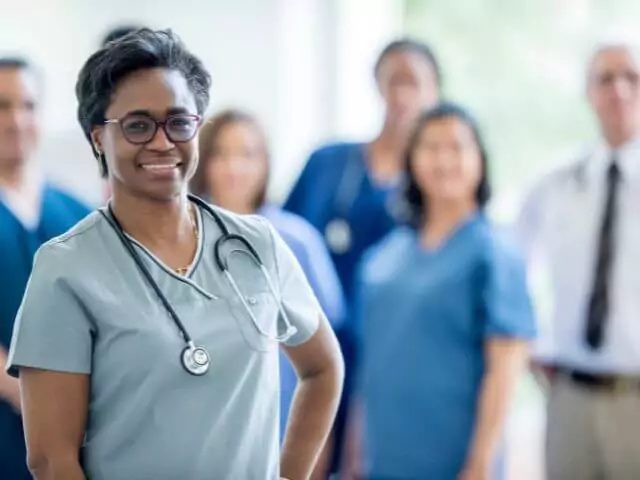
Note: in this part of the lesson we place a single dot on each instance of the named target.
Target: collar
(25, 201)
(32, 184)
(266, 209)
(627, 156)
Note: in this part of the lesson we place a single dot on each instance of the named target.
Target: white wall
(302, 66)
(363, 28)
(304, 91)
(326, 87)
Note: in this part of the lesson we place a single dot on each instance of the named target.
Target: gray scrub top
(88, 309)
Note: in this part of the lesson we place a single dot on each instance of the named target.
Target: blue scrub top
(308, 247)
(335, 183)
(17, 248)
(422, 320)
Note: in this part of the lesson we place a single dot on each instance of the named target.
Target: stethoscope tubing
(221, 263)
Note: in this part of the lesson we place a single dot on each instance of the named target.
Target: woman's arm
(54, 411)
(323, 279)
(352, 455)
(318, 363)
(505, 359)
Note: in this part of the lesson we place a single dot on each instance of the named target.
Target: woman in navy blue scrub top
(443, 318)
(348, 191)
(233, 173)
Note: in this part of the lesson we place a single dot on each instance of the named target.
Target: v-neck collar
(364, 151)
(26, 205)
(196, 259)
(448, 239)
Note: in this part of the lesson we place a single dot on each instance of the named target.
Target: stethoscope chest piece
(195, 360)
(338, 235)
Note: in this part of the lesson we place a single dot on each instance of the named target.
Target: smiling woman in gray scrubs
(105, 393)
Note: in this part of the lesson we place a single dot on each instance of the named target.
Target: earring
(102, 161)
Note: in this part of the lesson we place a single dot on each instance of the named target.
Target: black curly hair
(139, 50)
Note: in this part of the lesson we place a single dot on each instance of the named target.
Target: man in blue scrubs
(31, 213)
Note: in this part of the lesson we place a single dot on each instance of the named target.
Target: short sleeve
(52, 329)
(507, 307)
(297, 297)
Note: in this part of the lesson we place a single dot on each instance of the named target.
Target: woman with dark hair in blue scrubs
(348, 191)
(443, 317)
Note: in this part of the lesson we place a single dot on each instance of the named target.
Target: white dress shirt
(559, 228)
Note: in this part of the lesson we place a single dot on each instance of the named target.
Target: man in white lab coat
(583, 222)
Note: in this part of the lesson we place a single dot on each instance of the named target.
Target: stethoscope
(195, 358)
(338, 232)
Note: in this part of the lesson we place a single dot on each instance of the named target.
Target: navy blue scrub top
(335, 183)
(59, 212)
(423, 316)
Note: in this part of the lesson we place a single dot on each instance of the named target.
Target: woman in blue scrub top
(233, 172)
(348, 191)
(444, 318)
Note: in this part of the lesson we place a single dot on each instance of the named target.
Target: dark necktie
(599, 300)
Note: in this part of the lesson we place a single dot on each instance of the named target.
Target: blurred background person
(233, 173)
(348, 191)
(583, 222)
(443, 317)
(31, 212)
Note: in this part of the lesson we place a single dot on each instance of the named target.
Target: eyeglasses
(140, 129)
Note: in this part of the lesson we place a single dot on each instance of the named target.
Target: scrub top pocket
(264, 310)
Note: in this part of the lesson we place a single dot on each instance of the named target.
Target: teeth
(159, 167)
